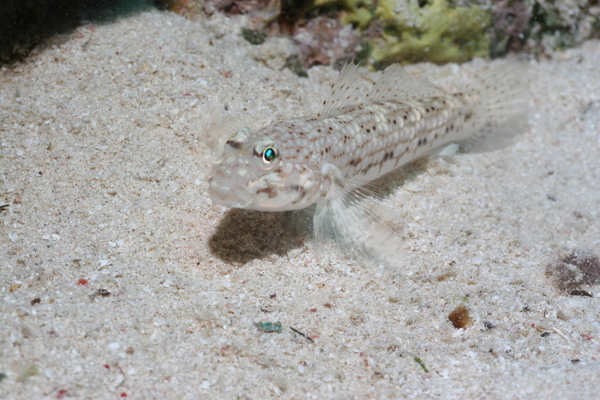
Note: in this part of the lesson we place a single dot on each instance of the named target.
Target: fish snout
(227, 186)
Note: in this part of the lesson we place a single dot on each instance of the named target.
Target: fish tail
(501, 110)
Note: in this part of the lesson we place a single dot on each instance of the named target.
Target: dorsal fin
(396, 85)
(345, 91)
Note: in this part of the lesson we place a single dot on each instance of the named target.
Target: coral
(442, 31)
(359, 13)
(325, 41)
(189, 8)
(395, 30)
(254, 37)
(562, 24)
(510, 25)
(437, 32)
(231, 7)
(356, 12)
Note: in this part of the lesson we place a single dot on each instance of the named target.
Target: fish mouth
(227, 191)
(228, 197)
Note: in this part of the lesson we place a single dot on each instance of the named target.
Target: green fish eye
(266, 154)
(270, 154)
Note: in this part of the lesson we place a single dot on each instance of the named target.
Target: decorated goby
(359, 136)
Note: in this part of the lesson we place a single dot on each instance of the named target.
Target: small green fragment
(295, 65)
(253, 36)
(363, 54)
(418, 360)
(2, 376)
(464, 299)
(269, 327)
(27, 372)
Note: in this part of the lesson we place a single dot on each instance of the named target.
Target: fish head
(253, 173)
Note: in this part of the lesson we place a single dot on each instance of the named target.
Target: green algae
(410, 31)
(438, 32)
(253, 36)
(27, 372)
(358, 12)
(421, 363)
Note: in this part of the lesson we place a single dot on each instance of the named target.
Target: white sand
(103, 163)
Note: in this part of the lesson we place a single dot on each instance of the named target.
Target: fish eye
(266, 153)
(269, 154)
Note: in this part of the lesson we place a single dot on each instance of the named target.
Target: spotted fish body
(360, 136)
(368, 141)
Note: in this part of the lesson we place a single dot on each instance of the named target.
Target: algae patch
(410, 31)
(437, 32)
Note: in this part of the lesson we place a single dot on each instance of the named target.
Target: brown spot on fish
(355, 162)
(234, 144)
(271, 193)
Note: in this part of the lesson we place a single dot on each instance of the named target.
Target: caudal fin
(501, 112)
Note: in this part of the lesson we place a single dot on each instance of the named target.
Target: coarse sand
(120, 278)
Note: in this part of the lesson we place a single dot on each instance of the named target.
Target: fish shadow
(245, 235)
(394, 180)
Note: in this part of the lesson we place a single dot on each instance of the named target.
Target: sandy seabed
(120, 278)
